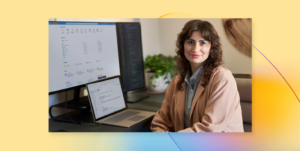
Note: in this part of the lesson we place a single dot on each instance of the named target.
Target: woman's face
(196, 49)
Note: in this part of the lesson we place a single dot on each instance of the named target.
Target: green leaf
(161, 64)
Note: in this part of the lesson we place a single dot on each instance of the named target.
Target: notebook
(108, 104)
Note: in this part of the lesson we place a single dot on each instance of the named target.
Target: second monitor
(131, 60)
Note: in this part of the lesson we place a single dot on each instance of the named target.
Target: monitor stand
(132, 97)
(77, 104)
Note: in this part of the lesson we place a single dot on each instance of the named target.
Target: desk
(153, 103)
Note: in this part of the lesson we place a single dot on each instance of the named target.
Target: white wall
(150, 37)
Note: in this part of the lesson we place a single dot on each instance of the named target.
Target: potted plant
(160, 70)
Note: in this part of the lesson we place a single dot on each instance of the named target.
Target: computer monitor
(81, 52)
(131, 59)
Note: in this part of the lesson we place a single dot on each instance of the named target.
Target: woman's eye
(190, 42)
(202, 43)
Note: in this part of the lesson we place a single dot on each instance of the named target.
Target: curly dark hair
(215, 57)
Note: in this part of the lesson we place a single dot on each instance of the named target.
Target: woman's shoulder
(173, 83)
(221, 73)
(175, 80)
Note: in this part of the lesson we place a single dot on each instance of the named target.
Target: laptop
(108, 104)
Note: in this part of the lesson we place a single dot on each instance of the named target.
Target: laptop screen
(106, 97)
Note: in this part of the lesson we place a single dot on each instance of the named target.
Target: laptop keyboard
(121, 117)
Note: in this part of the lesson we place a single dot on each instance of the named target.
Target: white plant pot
(157, 84)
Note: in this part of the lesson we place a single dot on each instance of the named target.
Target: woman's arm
(162, 120)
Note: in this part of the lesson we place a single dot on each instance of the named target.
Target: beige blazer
(215, 108)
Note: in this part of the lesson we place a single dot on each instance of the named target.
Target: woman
(204, 96)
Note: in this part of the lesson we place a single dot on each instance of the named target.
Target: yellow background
(24, 67)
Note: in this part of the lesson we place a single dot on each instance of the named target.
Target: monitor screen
(131, 56)
(80, 53)
(106, 97)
